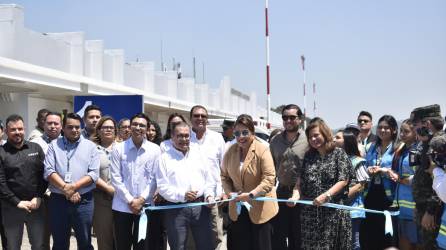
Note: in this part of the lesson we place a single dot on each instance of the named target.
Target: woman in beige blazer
(248, 170)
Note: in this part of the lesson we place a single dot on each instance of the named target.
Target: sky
(387, 57)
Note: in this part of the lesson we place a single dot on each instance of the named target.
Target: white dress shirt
(179, 173)
(439, 183)
(133, 172)
(166, 145)
(212, 148)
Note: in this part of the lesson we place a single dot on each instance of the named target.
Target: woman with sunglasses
(104, 137)
(248, 172)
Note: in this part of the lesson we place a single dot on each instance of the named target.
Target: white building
(45, 70)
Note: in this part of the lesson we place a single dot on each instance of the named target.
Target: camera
(424, 131)
(416, 155)
(438, 147)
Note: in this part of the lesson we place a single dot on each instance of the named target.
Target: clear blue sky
(387, 57)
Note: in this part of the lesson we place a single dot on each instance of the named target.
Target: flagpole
(268, 103)
(314, 101)
(302, 58)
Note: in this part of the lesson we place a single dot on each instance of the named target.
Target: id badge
(67, 177)
(378, 180)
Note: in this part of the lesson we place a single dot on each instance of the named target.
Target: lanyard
(68, 153)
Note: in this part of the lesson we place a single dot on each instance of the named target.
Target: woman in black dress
(324, 178)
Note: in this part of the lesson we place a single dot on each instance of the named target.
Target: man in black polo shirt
(21, 186)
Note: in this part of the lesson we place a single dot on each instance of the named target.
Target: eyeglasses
(124, 127)
(141, 125)
(289, 117)
(200, 116)
(183, 136)
(107, 128)
(241, 133)
(363, 121)
(71, 127)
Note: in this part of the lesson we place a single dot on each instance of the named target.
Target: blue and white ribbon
(143, 220)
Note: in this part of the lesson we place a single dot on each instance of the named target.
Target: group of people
(102, 177)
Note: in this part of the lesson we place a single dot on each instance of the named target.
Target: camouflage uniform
(426, 200)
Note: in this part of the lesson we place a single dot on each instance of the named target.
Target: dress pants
(245, 235)
(217, 227)
(198, 219)
(286, 224)
(13, 220)
(103, 220)
(65, 215)
(126, 226)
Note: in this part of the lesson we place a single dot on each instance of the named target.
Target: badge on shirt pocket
(67, 177)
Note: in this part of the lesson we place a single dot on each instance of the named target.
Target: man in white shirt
(133, 165)
(212, 147)
(51, 130)
(40, 119)
(183, 177)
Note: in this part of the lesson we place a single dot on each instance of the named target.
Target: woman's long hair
(351, 143)
(393, 127)
(158, 137)
(169, 125)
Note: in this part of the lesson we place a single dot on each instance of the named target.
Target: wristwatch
(328, 195)
(251, 196)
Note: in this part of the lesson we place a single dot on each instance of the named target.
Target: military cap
(227, 123)
(421, 113)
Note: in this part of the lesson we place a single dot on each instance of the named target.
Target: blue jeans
(65, 215)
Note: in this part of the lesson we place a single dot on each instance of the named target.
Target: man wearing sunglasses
(365, 124)
(212, 147)
(288, 149)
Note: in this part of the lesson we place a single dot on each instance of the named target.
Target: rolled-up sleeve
(116, 178)
(49, 162)
(93, 166)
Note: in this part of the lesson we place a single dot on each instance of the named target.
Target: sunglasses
(200, 116)
(363, 121)
(241, 133)
(289, 117)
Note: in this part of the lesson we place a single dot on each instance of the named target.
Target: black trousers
(372, 230)
(286, 224)
(245, 235)
(125, 223)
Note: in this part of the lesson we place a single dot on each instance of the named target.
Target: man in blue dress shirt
(71, 168)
